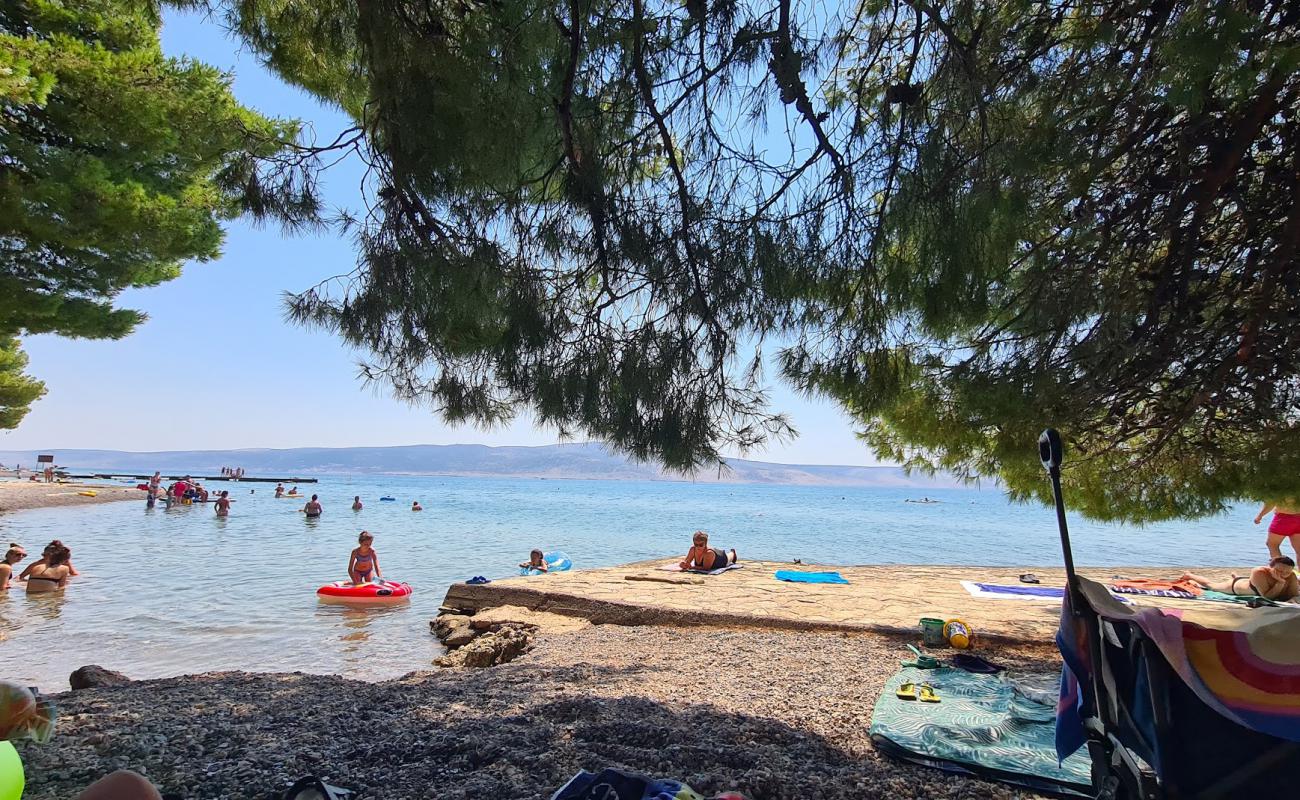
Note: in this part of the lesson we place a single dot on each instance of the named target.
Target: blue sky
(249, 378)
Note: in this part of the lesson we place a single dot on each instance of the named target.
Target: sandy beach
(776, 715)
(20, 495)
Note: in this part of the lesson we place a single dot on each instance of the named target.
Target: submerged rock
(93, 676)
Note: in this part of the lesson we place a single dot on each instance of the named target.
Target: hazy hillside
(588, 461)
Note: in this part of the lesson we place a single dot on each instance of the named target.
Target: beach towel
(995, 591)
(1156, 588)
(718, 571)
(982, 725)
(809, 577)
(1242, 662)
(613, 784)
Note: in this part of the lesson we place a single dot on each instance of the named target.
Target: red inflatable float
(378, 592)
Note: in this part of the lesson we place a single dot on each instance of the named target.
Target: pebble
(774, 715)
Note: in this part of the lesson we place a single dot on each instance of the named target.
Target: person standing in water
(12, 557)
(1284, 525)
(223, 504)
(279, 490)
(415, 506)
(356, 503)
(313, 508)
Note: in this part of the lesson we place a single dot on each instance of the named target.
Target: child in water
(704, 558)
(364, 561)
(535, 561)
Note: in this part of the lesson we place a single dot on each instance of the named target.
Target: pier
(889, 599)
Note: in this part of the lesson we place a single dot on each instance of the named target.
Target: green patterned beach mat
(992, 726)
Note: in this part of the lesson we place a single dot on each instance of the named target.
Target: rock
(490, 649)
(449, 627)
(93, 676)
(459, 638)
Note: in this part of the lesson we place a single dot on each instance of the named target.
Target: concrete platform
(884, 599)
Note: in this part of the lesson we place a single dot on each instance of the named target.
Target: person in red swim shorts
(1285, 524)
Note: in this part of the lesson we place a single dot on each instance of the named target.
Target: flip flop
(907, 691)
(1029, 577)
(478, 580)
(928, 694)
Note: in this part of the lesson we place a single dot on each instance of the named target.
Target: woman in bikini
(364, 561)
(54, 574)
(702, 557)
(1277, 581)
(1284, 525)
(12, 556)
(43, 560)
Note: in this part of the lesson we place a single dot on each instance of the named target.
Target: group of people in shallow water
(48, 573)
(1277, 580)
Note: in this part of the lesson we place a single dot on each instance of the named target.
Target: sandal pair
(926, 693)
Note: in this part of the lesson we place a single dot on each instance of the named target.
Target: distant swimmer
(223, 504)
(279, 490)
(356, 503)
(416, 506)
(313, 508)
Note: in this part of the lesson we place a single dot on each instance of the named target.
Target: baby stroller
(1169, 708)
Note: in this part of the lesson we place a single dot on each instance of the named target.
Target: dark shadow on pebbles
(517, 731)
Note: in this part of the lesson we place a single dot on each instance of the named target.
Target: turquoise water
(170, 592)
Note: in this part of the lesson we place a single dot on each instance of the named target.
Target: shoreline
(24, 495)
(765, 713)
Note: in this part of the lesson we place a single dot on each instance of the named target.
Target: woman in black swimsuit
(1277, 581)
(53, 575)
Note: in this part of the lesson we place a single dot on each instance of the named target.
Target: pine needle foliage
(962, 220)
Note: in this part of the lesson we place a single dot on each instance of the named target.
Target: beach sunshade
(982, 725)
(1180, 703)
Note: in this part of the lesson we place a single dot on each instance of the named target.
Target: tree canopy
(963, 220)
(117, 164)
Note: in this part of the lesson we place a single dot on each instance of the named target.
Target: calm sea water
(170, 592)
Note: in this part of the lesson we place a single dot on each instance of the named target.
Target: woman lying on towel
(1277, 581)
(704, 558)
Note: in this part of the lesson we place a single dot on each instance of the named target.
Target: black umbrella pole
(1066, 551)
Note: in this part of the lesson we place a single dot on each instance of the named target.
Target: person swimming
(415, 506)
(702, 557)
(536, 560)
(364, 561)
(356, 503)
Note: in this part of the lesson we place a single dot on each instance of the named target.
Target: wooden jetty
(110, 476)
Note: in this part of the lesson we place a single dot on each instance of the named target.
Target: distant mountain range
(574, 461)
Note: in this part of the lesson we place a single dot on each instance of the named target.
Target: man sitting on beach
(1277, 581)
